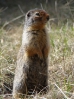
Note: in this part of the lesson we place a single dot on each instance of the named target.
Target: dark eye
(37, 13)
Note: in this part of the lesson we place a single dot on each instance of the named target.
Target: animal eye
(37, 13)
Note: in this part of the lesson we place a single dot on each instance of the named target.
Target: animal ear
(28, 14)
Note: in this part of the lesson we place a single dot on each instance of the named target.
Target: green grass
(61, 59)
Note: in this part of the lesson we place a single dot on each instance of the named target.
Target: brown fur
(31, 73)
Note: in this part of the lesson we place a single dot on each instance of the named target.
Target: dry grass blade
(10, 71)
(61, 91)
(6, 95)
(41, 5)
(7, 87)
(21, 9)
(3, 9)
(68, 93)
(13, 20)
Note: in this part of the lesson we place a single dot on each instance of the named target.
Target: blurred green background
(59, 10)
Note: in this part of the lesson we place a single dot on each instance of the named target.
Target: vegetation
(61, 57)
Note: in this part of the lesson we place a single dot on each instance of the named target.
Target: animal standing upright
(31, 74)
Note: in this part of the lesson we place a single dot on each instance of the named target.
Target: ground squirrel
(31, 73)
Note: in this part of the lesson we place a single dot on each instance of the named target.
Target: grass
(61, 60)
(61, 56)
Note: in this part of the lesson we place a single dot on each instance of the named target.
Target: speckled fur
(31, 74)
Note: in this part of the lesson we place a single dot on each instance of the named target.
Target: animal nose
(47, 17)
